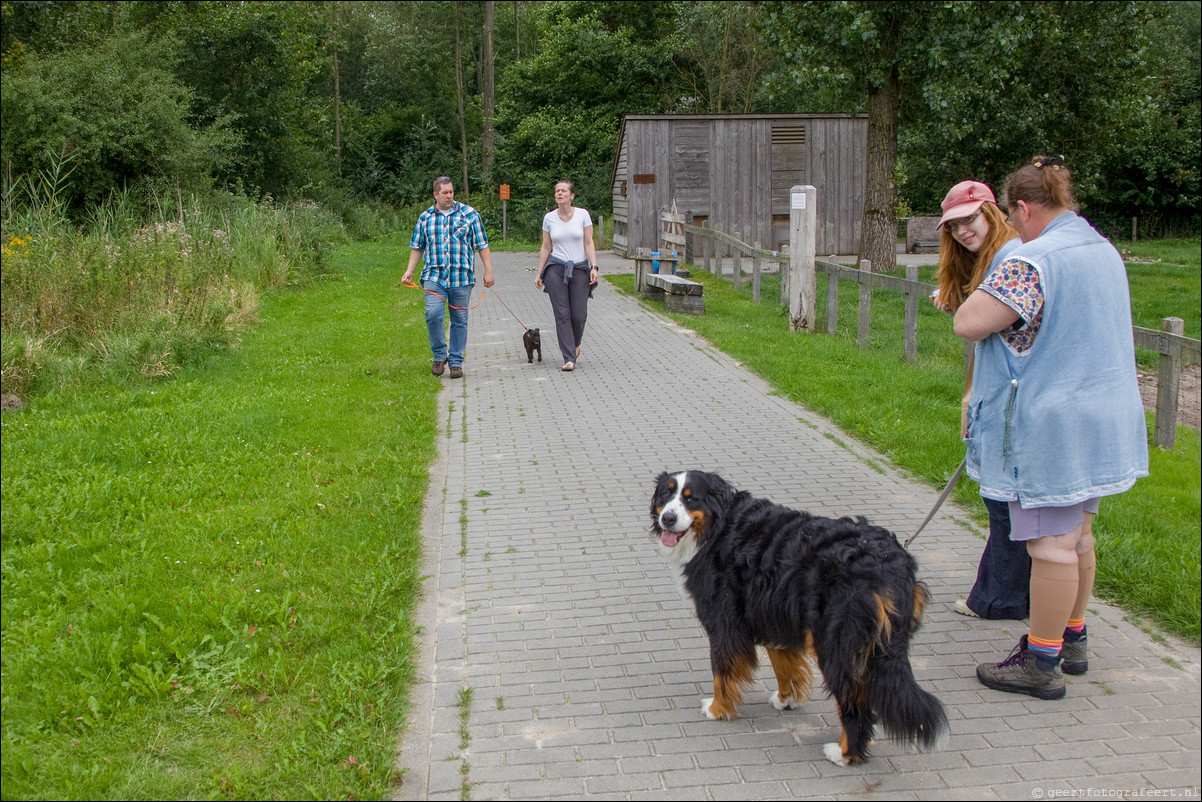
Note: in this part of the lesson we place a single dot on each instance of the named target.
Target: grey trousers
(569, 302)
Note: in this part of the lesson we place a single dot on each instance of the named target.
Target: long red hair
(961, 270)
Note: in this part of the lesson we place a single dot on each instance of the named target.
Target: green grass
(1148, 538)
(209, 582)
(1166, 281)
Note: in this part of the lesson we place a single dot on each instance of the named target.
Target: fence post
(707, 245)
(688, 237)
(600, 233)
(1168, 385)
(832, 298)
(803, 219)
(783, 267)
(911, 316)
(865, 302)
(755, 273)
(737, 261)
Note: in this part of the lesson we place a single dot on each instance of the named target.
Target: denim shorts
(1048, 521)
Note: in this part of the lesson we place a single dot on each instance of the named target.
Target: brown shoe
(1023, 672)
(438, 367)
(456, 372)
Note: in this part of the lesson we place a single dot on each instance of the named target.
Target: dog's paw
(834, 753)
(788, 703)
(705, 708)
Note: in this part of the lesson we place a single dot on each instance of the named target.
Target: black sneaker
(1075, 653)
(1023, 672)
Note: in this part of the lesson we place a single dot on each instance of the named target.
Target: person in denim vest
(446, 237)
(1055, 420)
(976, 238)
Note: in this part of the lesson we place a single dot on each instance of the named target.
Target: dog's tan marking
(698, 517)
(728, 688)
(794, 673)
(885, 610)
(921, 597)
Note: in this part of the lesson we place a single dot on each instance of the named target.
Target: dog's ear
(716, 496)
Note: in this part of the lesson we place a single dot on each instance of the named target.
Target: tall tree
(465, 189)
(488, 97)
(876, 45)
(973, 88)
(729, 77)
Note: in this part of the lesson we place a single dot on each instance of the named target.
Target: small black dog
(533, 343)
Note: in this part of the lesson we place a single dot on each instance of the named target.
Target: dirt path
(1188, 395)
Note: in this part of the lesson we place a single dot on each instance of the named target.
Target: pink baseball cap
(963, 199)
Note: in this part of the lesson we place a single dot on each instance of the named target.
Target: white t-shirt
(567, 239)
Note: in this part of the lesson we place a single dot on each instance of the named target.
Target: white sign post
(802, 283)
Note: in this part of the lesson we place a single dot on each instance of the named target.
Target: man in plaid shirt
(448, 234)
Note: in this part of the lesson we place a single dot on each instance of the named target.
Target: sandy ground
(1188, 395)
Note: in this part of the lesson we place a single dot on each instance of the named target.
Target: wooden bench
(922, 236)
(679, 294)
(647, 265)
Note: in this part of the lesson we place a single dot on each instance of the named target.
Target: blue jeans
(1003, 582)
(436, 305)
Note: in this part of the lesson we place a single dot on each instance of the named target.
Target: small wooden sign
(505, 192)
(644, 178)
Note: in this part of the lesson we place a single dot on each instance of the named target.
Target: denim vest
(1062, 422)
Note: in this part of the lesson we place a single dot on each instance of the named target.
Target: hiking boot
(438, 367)
(1023, 672)
(1075, 653)
(456, 372)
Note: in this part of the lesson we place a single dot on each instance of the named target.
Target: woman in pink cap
(976, 238)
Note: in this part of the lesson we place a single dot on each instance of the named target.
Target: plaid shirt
(449, 242)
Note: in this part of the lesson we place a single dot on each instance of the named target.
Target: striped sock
(1075, 626)
(1045, 649)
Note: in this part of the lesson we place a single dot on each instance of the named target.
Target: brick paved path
(559, 662)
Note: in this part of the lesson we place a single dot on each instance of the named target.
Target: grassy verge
(209, 581)
(1149, 540)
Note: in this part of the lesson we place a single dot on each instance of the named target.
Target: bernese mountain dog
(802, 586)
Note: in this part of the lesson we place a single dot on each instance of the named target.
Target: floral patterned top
(1017, 284)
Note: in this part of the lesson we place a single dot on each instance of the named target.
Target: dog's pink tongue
(669, 538)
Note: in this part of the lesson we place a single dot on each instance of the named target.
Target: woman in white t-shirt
(567, 270)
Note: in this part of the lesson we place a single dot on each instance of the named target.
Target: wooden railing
(715, 247)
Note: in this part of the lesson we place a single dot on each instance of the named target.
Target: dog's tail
(907, 711)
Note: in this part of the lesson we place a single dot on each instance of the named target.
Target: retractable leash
(436, 295)
(510, 311)
(938, 502)
(477, 306)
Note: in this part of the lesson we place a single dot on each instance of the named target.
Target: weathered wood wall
(735, 172)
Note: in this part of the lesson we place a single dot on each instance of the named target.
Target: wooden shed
(735, 171)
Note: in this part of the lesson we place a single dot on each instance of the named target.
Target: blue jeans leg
(460, 300)
(435, 308)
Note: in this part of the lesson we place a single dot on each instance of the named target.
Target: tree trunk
(465, 189)
(337, 95)
(878, 228)
(488, 100)
(517, 30)
(337, 119)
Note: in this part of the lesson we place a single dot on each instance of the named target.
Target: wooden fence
(679, 234)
